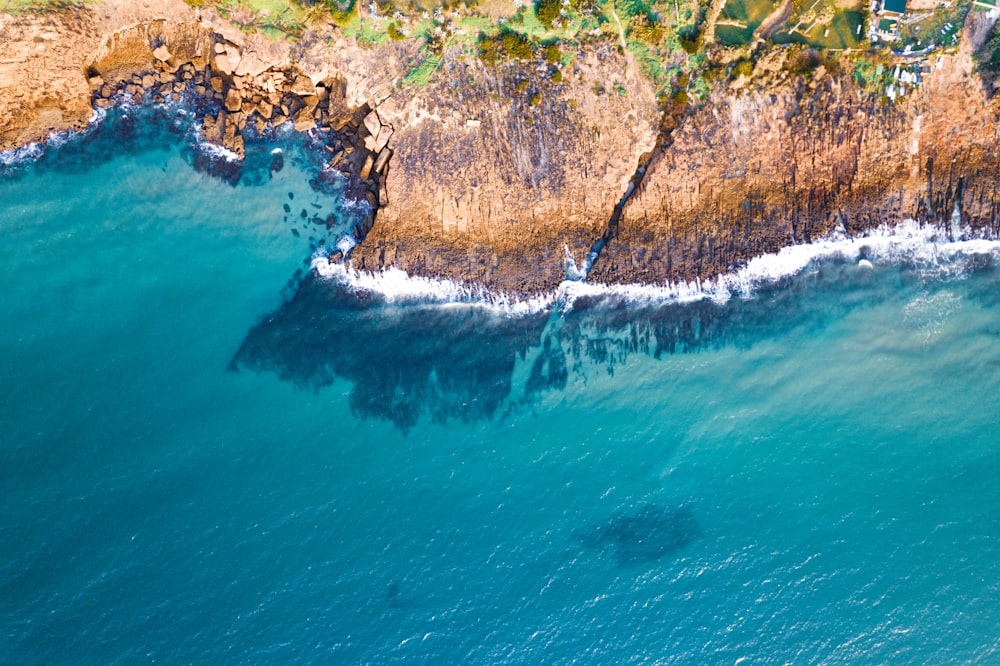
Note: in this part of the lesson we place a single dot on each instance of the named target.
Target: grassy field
(941, 27)
(840, 32)
(749, 12)
(19, 6)
(740, 18)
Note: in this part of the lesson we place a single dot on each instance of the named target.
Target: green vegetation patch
(421, 74)
(942, 28)
(845, 30)
(732, 35)
(749, 12)
(40, 6)
(547, 11)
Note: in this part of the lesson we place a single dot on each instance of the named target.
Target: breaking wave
(35, 150)
(936, 251)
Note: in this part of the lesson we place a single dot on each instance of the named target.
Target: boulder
(383, 159)
(366, 170)
(302, 86)
(372, 123)
(222, 64)
(233, 100)
(304, 120)
(161, 53)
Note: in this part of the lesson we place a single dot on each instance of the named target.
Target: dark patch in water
(457, 361)
(647, 534)
(452, 363)
(549, 370)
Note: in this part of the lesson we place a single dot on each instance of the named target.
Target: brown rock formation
(486, 173)
(497, 169)
(751, 173)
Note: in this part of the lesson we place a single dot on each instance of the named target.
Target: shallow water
(805, 476)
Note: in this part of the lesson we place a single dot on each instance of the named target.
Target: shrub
(553, 54)
(556, 76)
(547, 11)
(690, 39)
(516, 45)
(646, 29)
(395, 33)
(535, 99)
(489, 50)
(742, 68)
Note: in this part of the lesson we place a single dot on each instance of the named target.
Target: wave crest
(930, 248)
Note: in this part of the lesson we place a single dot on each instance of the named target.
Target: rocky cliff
(753, 171)
(488, 172)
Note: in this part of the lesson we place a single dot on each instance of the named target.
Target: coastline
(462, 187)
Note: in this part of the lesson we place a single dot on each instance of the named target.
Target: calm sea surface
(204, 462)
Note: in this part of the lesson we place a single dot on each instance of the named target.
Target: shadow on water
(640, 536)
(458, 361)
(452, 362)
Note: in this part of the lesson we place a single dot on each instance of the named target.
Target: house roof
(898, 6)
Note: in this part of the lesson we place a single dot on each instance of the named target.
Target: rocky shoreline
(490, 173)
(230, 96)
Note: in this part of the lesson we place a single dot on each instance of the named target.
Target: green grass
(843, 33)
(39, 6)
(751, 12)
(731, 35)
(932, 30)
(422, 74)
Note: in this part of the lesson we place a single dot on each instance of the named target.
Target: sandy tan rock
(233, 100)
(499, 203)
(161, 53)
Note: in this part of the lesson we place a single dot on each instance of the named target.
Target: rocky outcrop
(750, 173)
(496, 169)
(486, 173)
(42, 86)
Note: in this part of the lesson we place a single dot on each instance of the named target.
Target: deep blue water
(202, 462)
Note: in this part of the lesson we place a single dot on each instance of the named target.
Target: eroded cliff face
(42, 87)
(750, 173)
(496, 170)
(487, 172)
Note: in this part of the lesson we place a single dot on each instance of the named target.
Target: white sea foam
(31, 152)
(214, 150)
(928, 247)
(397, 287)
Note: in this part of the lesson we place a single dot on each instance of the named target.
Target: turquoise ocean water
(202, 462)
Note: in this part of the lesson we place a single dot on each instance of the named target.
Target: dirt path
(621, 32)
(773, 20)
(712, 16)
